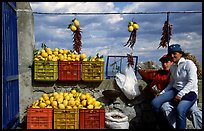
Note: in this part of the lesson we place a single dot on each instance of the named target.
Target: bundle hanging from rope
(166, 35)
(132, 27)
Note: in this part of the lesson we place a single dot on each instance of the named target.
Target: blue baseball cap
(174, 48)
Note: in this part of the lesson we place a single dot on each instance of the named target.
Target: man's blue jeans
(181, 109)
(194, 114)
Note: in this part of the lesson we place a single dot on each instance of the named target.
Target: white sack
(128, 83)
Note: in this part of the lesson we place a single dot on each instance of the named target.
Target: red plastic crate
(92, 118)
(39, 118)
(69, 70)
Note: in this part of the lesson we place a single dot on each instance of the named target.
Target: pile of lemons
(59, 55)
(68, 100)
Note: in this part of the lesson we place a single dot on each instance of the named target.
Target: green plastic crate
(93, 70)
(45, 70)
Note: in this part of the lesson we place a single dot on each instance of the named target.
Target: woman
(161, 78)
(182, 89)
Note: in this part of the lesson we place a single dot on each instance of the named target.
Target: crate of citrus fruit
(69, 68)
(66, 107)
(93, 68)
(45, 65)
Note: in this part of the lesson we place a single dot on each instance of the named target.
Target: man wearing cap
(182, 90)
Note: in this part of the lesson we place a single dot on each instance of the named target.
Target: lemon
(47, 102)
(60, 100)
(76, 22)
(42, 105)
(49, 52)
(87, 95)
(56, 96)
(44, 54)
(61, 106)
(85, 59)
(98, 107)
(54, 59)
(46, 98)
(82, 97)
(77, 99)
(55, 93)
(56, 53)
(77, 59)
(73, 28)
(77, 103)
(49, 106)
(54, 103)
(67, 97)
(97, 104)
(70, 95)
(51, 98)
(61, 93)
(36, 59)
(43, 51)
(90, 106)
(73, 91)
(41, 98)
(83, 56)
(44, 95)
(48, 49)
(65, 51)
(69, 58)
(65, 94)
(68, 107)
(89, 101)
(72, 99)
(136, 26)
(130, 23)
(130, 28)
(80, 106)
(83, 102)
(73, 56)
(56, 49)
(61, 57)
(75, 107)
(71, 103)
(65, 102)
(61, 51)
(49, 57)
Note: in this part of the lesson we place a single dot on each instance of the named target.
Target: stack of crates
(45, 70)
(92, 118)
(39, 118)
(93, 70)
(69, 70)
(66, 118)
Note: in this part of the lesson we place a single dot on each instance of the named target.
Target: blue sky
(106, 34)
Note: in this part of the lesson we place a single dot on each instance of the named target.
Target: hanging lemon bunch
(75, 28)
(132, 27)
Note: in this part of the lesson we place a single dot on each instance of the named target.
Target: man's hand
(177, 98)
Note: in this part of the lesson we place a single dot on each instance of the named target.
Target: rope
(114, 13)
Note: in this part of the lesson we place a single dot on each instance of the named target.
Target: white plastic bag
(128, 83)
(113, 122)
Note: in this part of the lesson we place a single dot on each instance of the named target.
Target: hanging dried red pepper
(130, 59)
(165, 35)
(77, 44)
